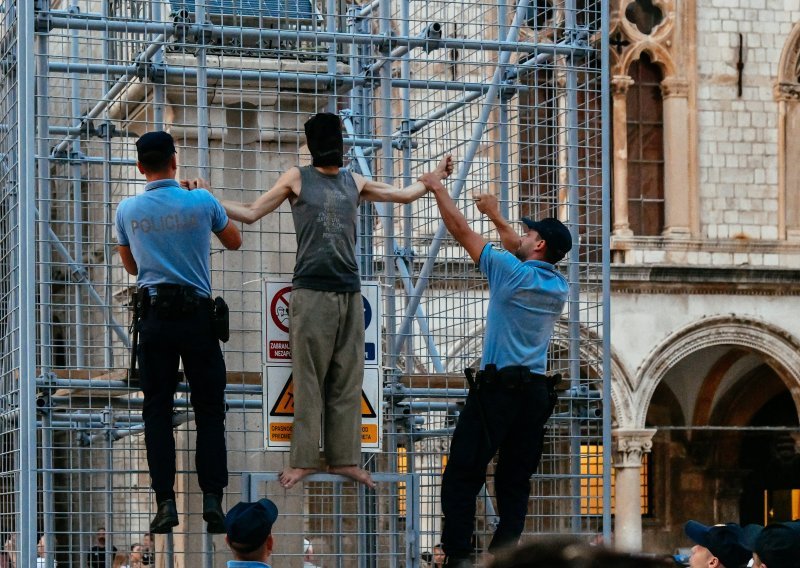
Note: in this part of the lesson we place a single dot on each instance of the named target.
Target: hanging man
(326, 311)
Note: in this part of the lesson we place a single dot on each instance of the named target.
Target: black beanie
(324, 138)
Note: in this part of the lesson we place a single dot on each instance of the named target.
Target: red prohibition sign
(280, 301)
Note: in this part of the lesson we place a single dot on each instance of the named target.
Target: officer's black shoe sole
(212, 514)
(166, 517)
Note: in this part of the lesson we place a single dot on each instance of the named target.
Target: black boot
(166, 517)
(212, 513)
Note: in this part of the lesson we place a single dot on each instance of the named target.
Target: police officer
(164, 237)
(512, 398)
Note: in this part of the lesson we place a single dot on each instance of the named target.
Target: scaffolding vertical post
(44, 197)
(75, 182)
(573, 268)
(330, 24)
(26, 274)
(159, 90)
(502, 125)
(203, 160)
(605, 145)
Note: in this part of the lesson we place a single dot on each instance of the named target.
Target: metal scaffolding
(516, 91)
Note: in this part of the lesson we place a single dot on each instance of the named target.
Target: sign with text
(279, 408)
(277, 295)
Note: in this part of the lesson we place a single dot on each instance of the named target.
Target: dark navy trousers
(515, 418)
(163, 341)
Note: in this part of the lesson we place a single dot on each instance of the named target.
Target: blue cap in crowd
(777, 545)
(723, 541)
(249, 524)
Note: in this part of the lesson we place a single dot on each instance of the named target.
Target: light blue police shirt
(168, 229)
(246, 564)
(525, 300)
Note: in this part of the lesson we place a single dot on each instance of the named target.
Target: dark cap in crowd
(159, 143)
(726, 542)
(554, 233)
(777, 545)
(249, 524)
(324, 138)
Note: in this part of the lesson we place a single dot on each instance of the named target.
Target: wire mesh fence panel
(513, 91)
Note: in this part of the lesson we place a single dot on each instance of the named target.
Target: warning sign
(277, 320)
(277, 296)
(279, 399)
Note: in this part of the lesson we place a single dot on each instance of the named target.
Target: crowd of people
(249, 537)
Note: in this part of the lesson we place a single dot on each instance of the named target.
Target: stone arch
(590, 350)
(658, 54)
(780, 349)
(789, 63)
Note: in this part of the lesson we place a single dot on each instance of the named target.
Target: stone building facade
(705, 255)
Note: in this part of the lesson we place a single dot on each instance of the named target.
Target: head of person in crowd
(324, 139)
(437, 556)
(120, 560)
(717, 546)
(156, 155)
(137, 554)
(548, 240)
(248, 528)
(569, 553)
(775, 546)
(100, 536)
(40, 546)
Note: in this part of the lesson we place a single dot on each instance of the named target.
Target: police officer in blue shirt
(506, 411)
(164, 237)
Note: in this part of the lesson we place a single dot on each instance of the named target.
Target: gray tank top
(325, 224)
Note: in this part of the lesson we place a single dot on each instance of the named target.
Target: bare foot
(291, 475)
(353, 472)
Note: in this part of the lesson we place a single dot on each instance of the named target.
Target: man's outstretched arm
(269, 201)
(487, 204)
(455, 222)
(383, 192)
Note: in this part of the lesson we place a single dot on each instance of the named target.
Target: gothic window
(645, 125)
(644, 15)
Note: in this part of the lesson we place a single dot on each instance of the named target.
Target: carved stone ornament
(674, 87)
(631, 445)
(787, 91)
(620, 84)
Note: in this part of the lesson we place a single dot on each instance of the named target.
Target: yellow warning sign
(369, 433)
(281, 432)
(284, 406)
(279, 408)
(366, 408)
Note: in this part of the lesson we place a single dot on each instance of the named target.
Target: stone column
(788, 97)
(629, 446)
(677, 202)
(619, 90)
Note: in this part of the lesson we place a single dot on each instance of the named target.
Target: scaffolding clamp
(508, 87)
(43, 22)
(433, 37)
(405, 254)
(153, 72)
(403, 140)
